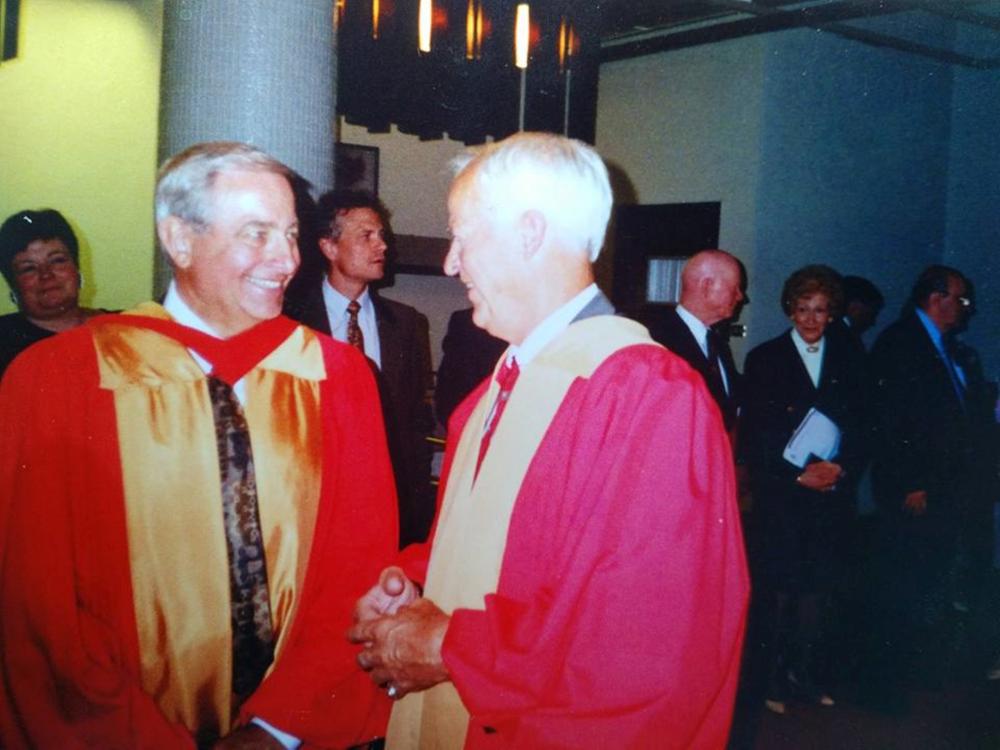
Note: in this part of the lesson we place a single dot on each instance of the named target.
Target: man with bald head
(710, 291)
(585, 585)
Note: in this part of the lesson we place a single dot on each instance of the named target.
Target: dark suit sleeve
(765, 427)
(902, 431)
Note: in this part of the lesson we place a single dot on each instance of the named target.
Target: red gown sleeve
(68, 650)
(316, 691)
(619, 613)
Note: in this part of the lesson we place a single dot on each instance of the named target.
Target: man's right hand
(392, 592)
(916, 502)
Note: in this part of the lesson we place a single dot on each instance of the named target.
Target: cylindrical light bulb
(521, 25)
(424, 25)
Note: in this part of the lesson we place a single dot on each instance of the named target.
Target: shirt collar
(699, 329)
(336, 303)
(803, 347)
(557, 321)
(932, 330)
(182, 313)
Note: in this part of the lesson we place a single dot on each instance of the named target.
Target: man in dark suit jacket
(469, 354)
(933, 474)
(351, 231)
(710, 291)
(862, 304)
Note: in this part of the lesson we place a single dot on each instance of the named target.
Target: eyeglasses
(37, 268)
(960, 299)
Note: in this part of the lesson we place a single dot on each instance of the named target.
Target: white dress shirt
(336, 312)
(812, 360)
(700, 332)
(182, 313)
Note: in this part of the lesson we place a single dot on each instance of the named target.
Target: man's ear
(532, 227)
(707, 286)
(328, 246)
(175, 236)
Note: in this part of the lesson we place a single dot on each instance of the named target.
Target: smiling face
(47, 279)
(484, 255)
(810, 316)
(233, 273)
(357, 256)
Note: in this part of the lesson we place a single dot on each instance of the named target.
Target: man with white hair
(192, 497)
(585, 585)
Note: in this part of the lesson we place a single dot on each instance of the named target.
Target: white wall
(414, 178)
(686, 127)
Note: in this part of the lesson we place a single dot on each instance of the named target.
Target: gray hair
(185, 180)
(563, 178)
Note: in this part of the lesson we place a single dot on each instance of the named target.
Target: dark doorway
(648, 232)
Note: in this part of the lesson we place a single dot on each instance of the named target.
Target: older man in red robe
(586, 584)
(192, 497)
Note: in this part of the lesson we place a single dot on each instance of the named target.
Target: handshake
(401, 634)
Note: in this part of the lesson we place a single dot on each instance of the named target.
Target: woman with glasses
(39, 259)
(803, 490)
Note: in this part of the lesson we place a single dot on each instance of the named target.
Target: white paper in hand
(817, 435)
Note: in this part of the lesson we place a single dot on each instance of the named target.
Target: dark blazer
(403, 382)
(669, 329)
(796, 531)
(926, 437)
(469, 354)
(840, 328)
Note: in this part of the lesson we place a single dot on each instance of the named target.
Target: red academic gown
(618, 618)
(69, 652)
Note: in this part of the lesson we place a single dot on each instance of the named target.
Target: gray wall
(820, 149)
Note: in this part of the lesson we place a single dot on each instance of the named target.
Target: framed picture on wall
(355, 167)
(9, 12)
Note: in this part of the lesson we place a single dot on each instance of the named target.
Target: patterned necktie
(354, 335)
(506, 379)
(250, 609)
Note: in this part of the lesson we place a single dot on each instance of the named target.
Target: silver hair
(185, 180)
(563, 178)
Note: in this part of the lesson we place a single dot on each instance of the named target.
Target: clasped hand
(401, 634)
(821, 476)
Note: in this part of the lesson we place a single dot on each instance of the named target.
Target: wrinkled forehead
(470, 203)
(244, 190)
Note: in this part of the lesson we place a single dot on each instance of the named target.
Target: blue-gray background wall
(823, 149)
